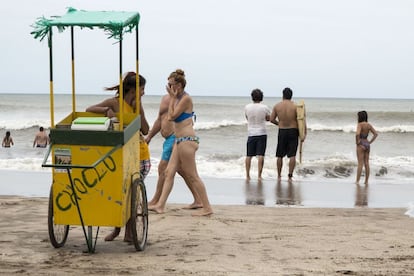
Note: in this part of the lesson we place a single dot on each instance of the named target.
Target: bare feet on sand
(193, 206)
(202, 213)
(113, 234)
(156, 209)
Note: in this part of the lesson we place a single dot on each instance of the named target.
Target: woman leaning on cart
(109, 108)
(186, 144)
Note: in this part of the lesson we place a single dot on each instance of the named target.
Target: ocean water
(328, 152)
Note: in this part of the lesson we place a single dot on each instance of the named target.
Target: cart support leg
(88, 236)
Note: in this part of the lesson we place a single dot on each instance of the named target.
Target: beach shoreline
(236, 240)
(331, 193)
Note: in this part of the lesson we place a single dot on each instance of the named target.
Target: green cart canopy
(114, 23)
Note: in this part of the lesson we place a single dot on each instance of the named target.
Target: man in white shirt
(257, 114)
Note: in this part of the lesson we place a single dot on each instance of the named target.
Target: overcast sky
(319, 48)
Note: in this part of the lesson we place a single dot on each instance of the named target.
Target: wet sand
(326, 193)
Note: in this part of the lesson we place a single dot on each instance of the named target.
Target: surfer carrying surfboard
(284, 115)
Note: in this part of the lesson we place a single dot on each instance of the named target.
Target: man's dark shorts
(256, 145)
(287, 143)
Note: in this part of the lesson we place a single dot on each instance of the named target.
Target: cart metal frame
(114, 145)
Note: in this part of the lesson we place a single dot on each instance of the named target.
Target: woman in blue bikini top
(180, 111)
(183, 116)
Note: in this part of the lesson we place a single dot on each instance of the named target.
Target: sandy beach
(236, 240)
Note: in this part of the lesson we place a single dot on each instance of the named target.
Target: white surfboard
(301, 119)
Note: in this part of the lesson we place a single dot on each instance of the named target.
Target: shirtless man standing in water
(41, 139)
(284, 115)
(166, 127)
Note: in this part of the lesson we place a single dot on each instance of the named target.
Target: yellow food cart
(96, 168)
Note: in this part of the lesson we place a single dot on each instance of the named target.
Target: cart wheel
(139, 214)
(57, 233)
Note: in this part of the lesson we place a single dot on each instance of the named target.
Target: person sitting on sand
(186, 144)
(41, 139)
(7, 140)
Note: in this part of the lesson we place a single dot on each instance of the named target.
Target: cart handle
(70, 166)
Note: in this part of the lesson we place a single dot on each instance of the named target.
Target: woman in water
(363, 144)
(7, 140)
